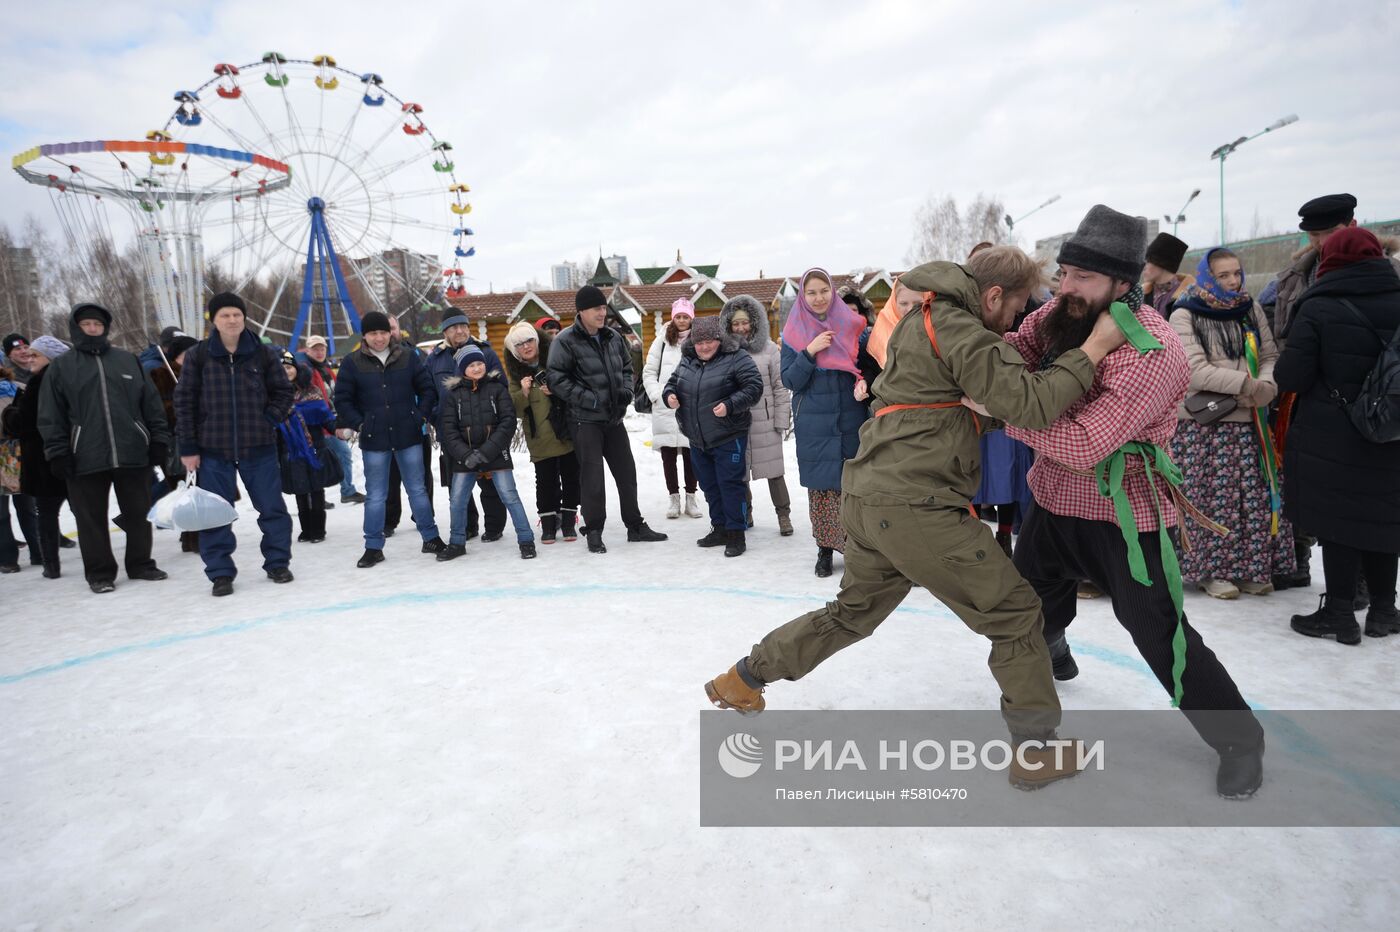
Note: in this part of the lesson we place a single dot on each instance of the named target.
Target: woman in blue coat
(821, 343)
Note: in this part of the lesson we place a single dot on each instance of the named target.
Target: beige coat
(1226, 376)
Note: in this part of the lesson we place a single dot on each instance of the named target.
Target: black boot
(735, 545)
(1379, 621)
(436, 545)
(1333, 619)
(643, 534)
(1241, 771)
(595, 542)
(549, 527)
(716, 537)
(567, 517)
(1363, 594)
(51, 570)
(823, 562)
(527, 550)
(371, 557)
(1061, 660)
(1300, 578)
(451, 552)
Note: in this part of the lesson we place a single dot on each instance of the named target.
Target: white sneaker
(1219, 589)
(1254, 588)
(692, 510)
(675, 510)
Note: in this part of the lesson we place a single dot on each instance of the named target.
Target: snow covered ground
(492, 744)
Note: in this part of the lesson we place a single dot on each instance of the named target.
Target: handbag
(1209, 407)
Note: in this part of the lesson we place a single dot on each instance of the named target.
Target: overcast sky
(771, 135)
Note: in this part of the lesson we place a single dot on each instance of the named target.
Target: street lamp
(1011, 224)
(1181, 214)
(1223, 151)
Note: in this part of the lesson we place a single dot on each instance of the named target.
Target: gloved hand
(1259, 392)
(61, 466)
(475, 460)
(158, 454)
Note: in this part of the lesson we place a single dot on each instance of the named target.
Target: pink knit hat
(682, 307)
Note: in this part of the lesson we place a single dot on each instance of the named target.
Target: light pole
(1181, 214)
(1223, 151)
(1011, 224)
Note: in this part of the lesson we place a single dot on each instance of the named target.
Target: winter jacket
(477, 416)
(540, 413)
(1300, 276)
(22, 423)
(1337, 485)
(932, 456)
(311, 414)
(229, 404)
(729, 376)
(772, 415)
(826, 416)
(662, 360)
(593, 374)
(388, 402)
(443, 366)
(100, 408)
(1222, 374)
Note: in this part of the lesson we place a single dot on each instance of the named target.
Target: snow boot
(1062, 661)
(1041, 766)
(823, 562)
(1333, 619)
(1379, 621)
(549, 527)
(716, 538)
(734, 544)
(675, 510)
(595, 542)
(692, 510)
(1301, 577)
(527, 550)
(451, 552)
(643, 534)
(736, 689)
(1241, 771)
(784, 524)
(566, 524)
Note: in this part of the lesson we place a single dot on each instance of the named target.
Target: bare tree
(941, 231)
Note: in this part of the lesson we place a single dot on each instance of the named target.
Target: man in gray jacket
(104, 428)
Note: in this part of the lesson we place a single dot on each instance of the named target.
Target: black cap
(375, 320)
(589, 296)
(179, 345)
(11, 342)
(1326, 212)
(288, 359)
(1166, 252)
(223, 300)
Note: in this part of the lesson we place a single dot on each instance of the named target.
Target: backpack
(1375, 411)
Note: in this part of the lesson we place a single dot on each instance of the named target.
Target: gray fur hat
(706, 328)
(1109, 243)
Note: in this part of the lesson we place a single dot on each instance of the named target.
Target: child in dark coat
(476, 426)
(308, 467)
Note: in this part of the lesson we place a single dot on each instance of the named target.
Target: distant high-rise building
(619, 268)
(561, 276)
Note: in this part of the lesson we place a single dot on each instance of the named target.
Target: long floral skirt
(824, 508)
(1224, 477)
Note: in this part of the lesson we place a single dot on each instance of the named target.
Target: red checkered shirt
(1133, 398)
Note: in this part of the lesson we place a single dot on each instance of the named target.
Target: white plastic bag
(190, 508)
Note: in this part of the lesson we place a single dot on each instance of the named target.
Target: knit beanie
(466, 356)
(11, 342)
(51, 347)
(682, 307)
(589, 296)
(706, 328)
(374, 321)
(223, 300)
(520, 333)
(452, 316)
(1166, 252)
(740, 314)
(1109, 243)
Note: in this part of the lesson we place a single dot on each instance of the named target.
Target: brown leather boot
(729, 691)
(1042, 769)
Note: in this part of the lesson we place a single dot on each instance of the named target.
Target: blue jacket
(826, 418)
(389, 402)
(229, 404)
(444, 367)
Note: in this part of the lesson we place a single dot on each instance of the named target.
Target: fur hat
(682, 307)
(222, 300)
(706, 328)
(1107, 242)
(1166, 252)
(50, 347)
(520, 333)
(375, 321)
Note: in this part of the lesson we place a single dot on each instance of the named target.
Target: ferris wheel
(372, 216)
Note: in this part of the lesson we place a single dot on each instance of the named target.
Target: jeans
(410, 461)
(347, 464)
(504, 481)
(721, 472)
(262, 477)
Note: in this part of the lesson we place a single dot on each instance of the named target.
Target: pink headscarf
(803, 325)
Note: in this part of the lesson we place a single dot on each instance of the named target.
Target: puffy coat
(230, 404)
(592, 374)
(826, 417)
(662, 360)
(477, 416)
(1337, 485)
(540, 412)
(772, 415)
(22, 423)
(729, 376)
(443, 366)
(100, 408)
(388, 402)
(1220, 373)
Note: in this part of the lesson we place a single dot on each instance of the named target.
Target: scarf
(803, 325)
(298, 441)
(1209, 299)
(1346, 247)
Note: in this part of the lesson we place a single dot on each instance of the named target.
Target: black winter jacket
(389, 402)
(730, 376)
(230, 404)
(477, 416)
(22, 423)
(593, 375)
(1337, 485)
